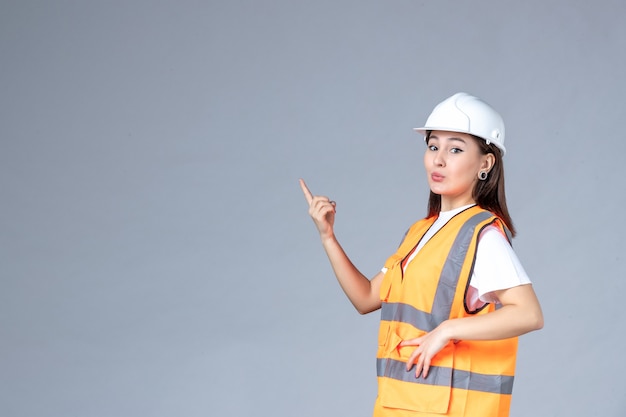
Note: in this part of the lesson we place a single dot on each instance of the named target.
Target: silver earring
(482, 175)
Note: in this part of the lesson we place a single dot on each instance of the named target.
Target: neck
(448, 204)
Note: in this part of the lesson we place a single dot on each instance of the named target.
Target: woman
(454, 297)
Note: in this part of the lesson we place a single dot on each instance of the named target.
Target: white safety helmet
(467, 114)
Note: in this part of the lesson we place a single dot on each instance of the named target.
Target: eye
(456, 150)
(432, 147)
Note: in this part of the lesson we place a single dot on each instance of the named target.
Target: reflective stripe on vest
(452, 268)
(437, 375)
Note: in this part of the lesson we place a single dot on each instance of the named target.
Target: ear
(488, 161)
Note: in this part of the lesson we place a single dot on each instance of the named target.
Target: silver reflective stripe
(446, 289)
(440, 376)
(509, 236)
(406, 313)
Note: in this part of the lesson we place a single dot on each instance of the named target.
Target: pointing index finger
(307, 193)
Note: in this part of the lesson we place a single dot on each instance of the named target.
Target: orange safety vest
(466, 378)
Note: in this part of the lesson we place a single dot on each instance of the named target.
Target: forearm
(510, 320)
(500, 324)
(357, 287)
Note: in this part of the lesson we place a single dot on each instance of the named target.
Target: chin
(437, 190)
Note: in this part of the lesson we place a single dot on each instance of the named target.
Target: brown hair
(488, 194)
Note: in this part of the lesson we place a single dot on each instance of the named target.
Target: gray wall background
(156, 256)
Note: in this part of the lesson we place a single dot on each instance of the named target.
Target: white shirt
(497, 267)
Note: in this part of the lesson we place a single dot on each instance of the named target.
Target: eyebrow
(452, 138)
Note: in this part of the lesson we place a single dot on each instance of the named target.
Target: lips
(436, 177)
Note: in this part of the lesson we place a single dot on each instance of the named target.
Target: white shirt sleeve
(497, 267)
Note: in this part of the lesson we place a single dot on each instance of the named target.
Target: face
(453, 162)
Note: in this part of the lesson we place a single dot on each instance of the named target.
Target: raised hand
(321, 209)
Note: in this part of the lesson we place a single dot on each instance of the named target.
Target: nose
(439, 159)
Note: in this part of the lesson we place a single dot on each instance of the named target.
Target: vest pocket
(399, 389)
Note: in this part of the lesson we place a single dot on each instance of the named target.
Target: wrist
(447, 330)
(327, 238)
